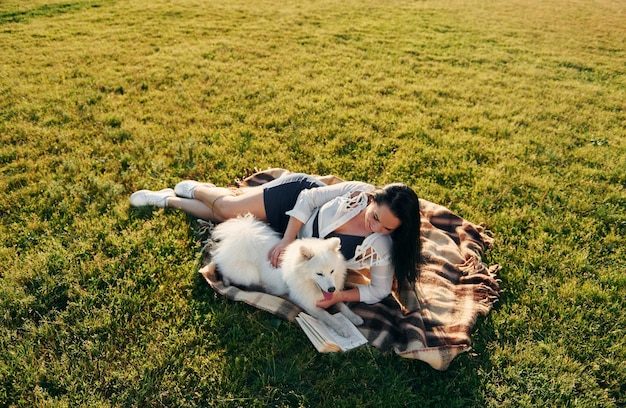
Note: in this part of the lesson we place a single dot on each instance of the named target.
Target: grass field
(509, 112)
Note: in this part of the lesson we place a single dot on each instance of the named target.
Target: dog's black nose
(331, 289)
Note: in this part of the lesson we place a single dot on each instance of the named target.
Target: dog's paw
(353, 317)
(343, 331)
(339, 327)
(356, 319)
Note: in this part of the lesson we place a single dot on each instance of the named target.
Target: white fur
(309, 267)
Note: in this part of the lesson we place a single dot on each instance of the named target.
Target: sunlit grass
(508, 112)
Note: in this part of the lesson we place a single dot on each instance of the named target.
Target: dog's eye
(333, 271)
(320, 274)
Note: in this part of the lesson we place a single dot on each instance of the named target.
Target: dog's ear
(306, 252)
(334, 243)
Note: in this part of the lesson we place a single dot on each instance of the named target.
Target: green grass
(509, 112)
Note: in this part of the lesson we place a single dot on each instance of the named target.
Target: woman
(378, 227)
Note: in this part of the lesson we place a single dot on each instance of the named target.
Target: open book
(325, 339)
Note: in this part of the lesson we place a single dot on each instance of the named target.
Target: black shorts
(280, 195)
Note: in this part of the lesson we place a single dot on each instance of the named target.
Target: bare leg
(193, 207)
(219, 204)
(223, 204)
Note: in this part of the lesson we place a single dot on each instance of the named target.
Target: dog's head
(324, 264)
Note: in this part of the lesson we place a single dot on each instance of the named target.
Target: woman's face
(379, 218)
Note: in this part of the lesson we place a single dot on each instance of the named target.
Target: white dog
(311, 268)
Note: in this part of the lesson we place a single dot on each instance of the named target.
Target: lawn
(508, 112)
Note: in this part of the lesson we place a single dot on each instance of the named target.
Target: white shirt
(336, 205)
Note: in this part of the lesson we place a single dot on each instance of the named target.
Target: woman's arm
(309, 200)
(380, 284)
(293, 226)
(378, 289)
(350, 295)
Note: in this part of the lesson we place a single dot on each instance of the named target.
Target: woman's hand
(350, 295)
(326, 303)
(276, 253)
(335, 298)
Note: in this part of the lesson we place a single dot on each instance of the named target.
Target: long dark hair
(407, 247)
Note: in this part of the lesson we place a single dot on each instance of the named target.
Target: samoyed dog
(311, 268)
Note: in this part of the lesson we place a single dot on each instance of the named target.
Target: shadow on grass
(258, 359)
(266, 361)
(46, 10)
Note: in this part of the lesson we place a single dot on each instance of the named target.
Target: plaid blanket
(430, 321)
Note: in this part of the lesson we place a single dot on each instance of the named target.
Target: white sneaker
(187, 187)
(159, 198)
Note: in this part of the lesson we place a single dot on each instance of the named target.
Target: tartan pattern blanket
(430, 321)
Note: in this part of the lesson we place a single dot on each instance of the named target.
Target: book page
(355, 339)
(321, 344)
(331, 337)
